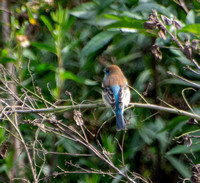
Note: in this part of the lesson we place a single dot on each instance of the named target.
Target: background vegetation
(53, 54)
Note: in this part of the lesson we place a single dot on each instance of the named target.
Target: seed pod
(162, 33)
(166, 20)
(177, 24)
(149, 25)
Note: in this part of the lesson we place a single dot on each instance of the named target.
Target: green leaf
(44, 47)
(7, 59)
(181, 149)
(42, 67)
(97, 42)
(47, 23)
(129, 58)
(60, 16)
(30, 15)
(142, 79)
(78, 79)
(148, 7)
(192, 28)
(113, 17)
(28, 54)
(107, 141)
(123, 24)
(175, 125)
(180, 166)
(190, 18)
(84, 10)
(4, 52)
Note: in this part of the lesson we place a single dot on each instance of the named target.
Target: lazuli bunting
(116, 93)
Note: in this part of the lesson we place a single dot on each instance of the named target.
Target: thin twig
(192, 70)
(183, 79)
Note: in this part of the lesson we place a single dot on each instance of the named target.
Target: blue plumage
(116, 93)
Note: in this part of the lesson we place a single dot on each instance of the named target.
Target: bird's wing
(109, 96)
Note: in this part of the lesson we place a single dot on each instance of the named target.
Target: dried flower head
(78, 118)
(196, 169)
(152, 21)
(150, 25)
(177, 24)
(195, 44)
(187, 49)
(156, 52)
(196, 174)
(192, 121)
(23, 40)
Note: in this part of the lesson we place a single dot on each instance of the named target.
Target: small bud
(188, 140)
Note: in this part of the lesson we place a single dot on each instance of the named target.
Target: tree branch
(101, 104)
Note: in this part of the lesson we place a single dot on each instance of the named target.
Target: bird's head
(112, 69)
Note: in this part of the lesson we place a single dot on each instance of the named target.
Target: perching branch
(101, 104)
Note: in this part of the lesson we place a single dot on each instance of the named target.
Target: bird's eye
(107, 71)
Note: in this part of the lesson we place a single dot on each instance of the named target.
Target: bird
(116, 93)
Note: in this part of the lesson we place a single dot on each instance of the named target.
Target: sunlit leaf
(192, 28)
(47, 23)
(124, 24)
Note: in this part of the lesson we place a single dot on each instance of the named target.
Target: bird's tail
(120, 123)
